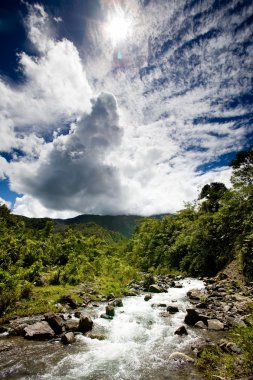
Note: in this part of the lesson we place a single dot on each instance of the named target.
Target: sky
(121, 107)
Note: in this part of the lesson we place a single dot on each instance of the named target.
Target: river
(139, 341)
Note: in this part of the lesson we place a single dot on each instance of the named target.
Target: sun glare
(118, 28)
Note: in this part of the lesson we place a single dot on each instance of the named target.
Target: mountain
(125, 224)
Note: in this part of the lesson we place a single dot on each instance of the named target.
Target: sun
(118, 27)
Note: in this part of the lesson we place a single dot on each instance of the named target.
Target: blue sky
(114, 107)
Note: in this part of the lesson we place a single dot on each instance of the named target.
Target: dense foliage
(205, 236)
(42, 255)
(198, 240)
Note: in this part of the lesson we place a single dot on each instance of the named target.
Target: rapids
(139, 341)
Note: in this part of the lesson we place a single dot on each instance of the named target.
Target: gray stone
(71, 325)
(110, 310)
(55, 322)
(172, 309)
(215, 324)
(155, 289)
(118, 302)
(39, 331)
(147, 297)
(181, 331)
(68, 338)
(181, 357)
(85, 323)
(200, 324)
(193, 317)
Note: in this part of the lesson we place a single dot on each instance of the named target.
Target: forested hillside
(205, 236)
(198, 240)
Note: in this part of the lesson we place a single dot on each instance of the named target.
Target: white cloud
(3, 201)
(33, 208)
(173, 88)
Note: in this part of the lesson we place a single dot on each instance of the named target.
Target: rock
(201, 305)
(172, 309)
(193, 317)
(71, 325)
(85, 323)
(178, 286)
(232, 347)
(155, 305)
(155, 289)
(131, 293)
(18, 329)
(195, 294)
(180, 356)
(110, 297)
(69, 301)
(77, 314)
(39, 331)
(68, 338)
(147, 297)
(117, 302)
(97, 336)
(105, 316)
(215, 324)
(200, 324)
(172, 284)
(55, 322)
(181, 331)
(110, 310)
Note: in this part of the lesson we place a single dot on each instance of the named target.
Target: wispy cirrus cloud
(183, 90)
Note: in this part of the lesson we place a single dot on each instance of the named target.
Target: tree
(242, 167)
(212, 194)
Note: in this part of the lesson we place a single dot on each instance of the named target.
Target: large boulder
(155, 289)
(85, 323)
(55, 322)
(193, 317)
(39, 331)
(68, 338)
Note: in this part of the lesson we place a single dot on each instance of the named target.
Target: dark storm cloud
(74, 174)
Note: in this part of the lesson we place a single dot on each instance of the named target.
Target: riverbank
(173, 322)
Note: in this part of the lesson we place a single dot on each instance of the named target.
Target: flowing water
(139, 341)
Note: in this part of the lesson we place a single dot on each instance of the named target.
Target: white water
(138, 345)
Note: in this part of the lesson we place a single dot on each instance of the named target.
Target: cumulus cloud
(73, 172)
(55, 90)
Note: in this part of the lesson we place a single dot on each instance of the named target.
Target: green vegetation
(41, 258)
(40, 263)
(204, 237)
(214, 361)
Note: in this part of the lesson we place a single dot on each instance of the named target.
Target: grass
(42, 300)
